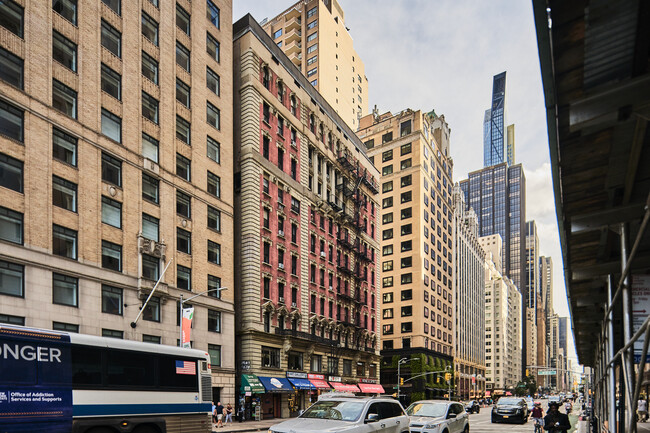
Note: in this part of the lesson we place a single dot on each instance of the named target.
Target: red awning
(371, 388)
(488, 393)
(320, 384)
(347, 387)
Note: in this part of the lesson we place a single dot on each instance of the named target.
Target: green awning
(250, 383)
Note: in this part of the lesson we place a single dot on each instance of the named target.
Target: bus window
(86, 365)
(171, 380)
(130, 369)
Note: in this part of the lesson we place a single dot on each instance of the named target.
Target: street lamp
(399, 364)
(218, 289)
(449, 367)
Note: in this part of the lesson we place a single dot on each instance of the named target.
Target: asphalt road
(482, 423)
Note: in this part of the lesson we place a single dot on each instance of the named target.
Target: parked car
(473, 407)
(510, 409)
(335, 412)
(438, 416)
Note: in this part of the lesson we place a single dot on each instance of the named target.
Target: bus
(53, 381)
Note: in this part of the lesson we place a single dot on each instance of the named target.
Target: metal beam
(589, 272)
(604, 218)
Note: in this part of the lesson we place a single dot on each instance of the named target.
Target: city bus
(54, 381)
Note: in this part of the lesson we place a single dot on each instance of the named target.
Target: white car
(349, 414)
(438, 416)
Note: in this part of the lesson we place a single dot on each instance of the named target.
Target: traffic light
(401, 381)
(527, 373)
(447, 377)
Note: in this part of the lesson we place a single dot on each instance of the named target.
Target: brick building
(305, 196)
(116, 161)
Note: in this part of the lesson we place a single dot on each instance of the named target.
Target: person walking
(228, 413)
(220, 410)
(214, 413)
(642, 409)
(555, 421)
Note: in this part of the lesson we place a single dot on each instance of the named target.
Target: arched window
(280, 91)
(321, 133)
(312, 124)
(266, 78)
(294, 106)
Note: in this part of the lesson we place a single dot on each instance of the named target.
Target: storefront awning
(276, 384)
(301, 383)
(371, 388)
(346, 387)
(488, 393)
(320, 384)
(250, 383)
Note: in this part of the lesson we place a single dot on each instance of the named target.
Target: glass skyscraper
(497, 146)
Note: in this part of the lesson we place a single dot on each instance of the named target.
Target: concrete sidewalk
(247, 426)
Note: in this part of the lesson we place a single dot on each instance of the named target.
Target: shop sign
(245, 365)
(296, 375)
(367, 380)
(316, 376)
(335, 379)
(248, 394)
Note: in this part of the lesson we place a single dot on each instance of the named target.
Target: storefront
(335, 382)
(320, 384)
(299, 400)
(370, 386)
(250, 394)
(276, 388)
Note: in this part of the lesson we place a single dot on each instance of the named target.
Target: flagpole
(134, 323)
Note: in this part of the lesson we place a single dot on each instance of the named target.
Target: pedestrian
(214, 413)
(642, 409)
(228, 413)
(220, 410)
(241, 412)
(555, 421)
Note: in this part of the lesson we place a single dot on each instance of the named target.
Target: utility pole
(399, 379)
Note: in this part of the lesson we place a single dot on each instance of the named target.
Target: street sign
(640, 310)
(547, 372)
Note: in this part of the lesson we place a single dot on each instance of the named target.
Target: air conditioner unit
(281, 300)
(281, 233)
(280, 265)
(294, 305)
(322, 254)
(330, 288)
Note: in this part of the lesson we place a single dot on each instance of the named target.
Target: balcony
(293, 20)
(345, 270)
(345, 243)
(372, 184)
(292, 35)
(346, 187)
(305, 336)
(293, 47)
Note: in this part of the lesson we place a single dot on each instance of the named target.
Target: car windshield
(434, 410)
(512, 401)
(335, 410)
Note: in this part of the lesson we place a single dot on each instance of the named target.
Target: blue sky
(442, 54)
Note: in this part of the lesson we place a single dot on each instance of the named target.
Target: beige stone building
(411, 150)
(314, 36)
(115, 162)
(502, 322)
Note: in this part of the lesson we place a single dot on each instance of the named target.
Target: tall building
(502, 323)
(544, 313)
(307, 261)
(469, 300)
(105, 181)
(314, 36)
(498, 139)
(411, 148)
(498, 196)
(532, 292)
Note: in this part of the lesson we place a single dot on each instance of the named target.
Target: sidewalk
(247, 426)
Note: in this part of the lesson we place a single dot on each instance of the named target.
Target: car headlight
(433, 425)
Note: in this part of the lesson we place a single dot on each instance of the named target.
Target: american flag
(185, 367)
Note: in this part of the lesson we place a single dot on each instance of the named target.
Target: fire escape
(352, 221)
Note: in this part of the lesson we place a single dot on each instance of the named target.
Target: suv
(438, 416)
(510, 409)
(344, 412)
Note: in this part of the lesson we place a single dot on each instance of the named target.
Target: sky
(442, 55)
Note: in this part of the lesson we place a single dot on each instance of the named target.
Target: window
(183, 167)
(182, 20)
(149, 68)
(387, 202)
(64, 51)
(312, 72)
(387, 170)
(150, 107)
(182, 56)
(11, 68)
(183, 277)
(405, 129)
(65, 327)
(212, 47)
(111, 39)
(112, 300)
(406, 213)
(387, 266)
(387, 250)
(113, 4)
(150, 148)
(405, 149)
(111, 333)
(11, 121)
(150, 267)
(406, 197)
(213, 116)
(183, 205)
(213, 81)
(64, 194)
(64, 242)
(182, 130)
(407, 295)
(407, 246)
(213, 284)
(271, 357)
(64, 99)
(388, 298)
(111, 126)
(387, 137)
(407, 180)
(214, 321)
(387, 282)
(387, 218)
(311, 12)
(407, 278)
(152, 311)
(387, 156)
(316, 363)
(213, 13)
(387, 234)
(277, 34)
(111, 212)
(405, 164)
(214, 253)
(111, 256)
(67, 9)
(146, 338)
(12, 17)
(150, 227)
(407, 327)
(214, 184)
(407, 262)
(65, 290)
(387, 186)
(214, 150)
(387, 313)
(214, 350)
(214, 218)
(12, 279)
(111, 82)
(183, 93)
(11, 226)
(183, 241)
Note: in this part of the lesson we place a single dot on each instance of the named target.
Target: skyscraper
(313, 34)
(498, 140)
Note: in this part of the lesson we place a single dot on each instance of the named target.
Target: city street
(481, 423)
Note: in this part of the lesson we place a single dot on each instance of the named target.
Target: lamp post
(449, 382)
(399, 364)
(218, 289)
